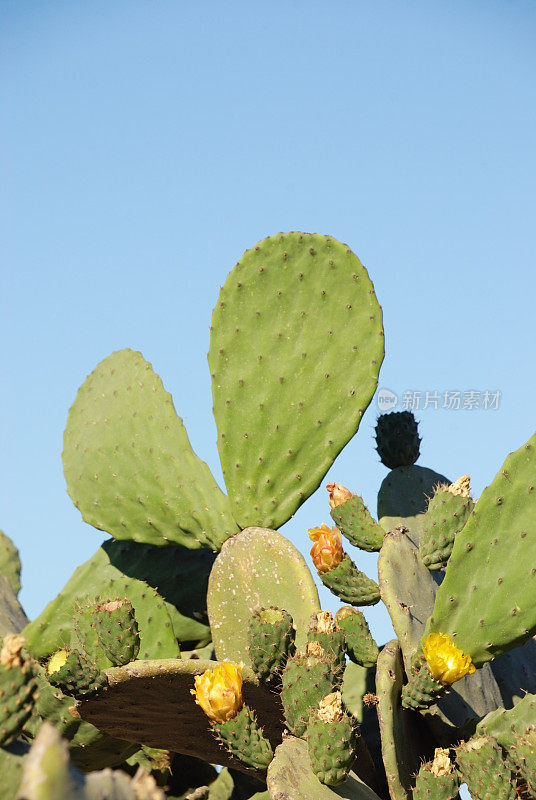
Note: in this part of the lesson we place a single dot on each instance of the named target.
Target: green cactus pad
(323, 630)
(271, 638)
(506, 725)
(10, 562)
(404, 494)
(290, 776)
(17, 695)
(306, 680)
(117, 630)
(150, 702)
(487, 601)
(75, 674)
(434, 784)
(421, 690)
(351, 585)
(128, 569)
(355, 521)
(404, 740)
(445, 517)
(332, 748)
(523, 753)
(245, 740)
(12, 760)
(296, 348)
(397, 439)
(483, 767)
(257, 568)
(129, 466)
(360, 645)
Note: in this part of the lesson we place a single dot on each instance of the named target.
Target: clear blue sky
(146, 145)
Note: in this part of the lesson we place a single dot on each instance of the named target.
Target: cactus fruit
(323, 630)
(75, 674)
(485, 769)
(350, 584)
(117, 630)
(17, 688)
(422, 689)
(244, 739)
(354, 520)
(447, 513)
(437, 779)
(397, 439)
(270, 640)
(331, 740)
(306, 679)
(360, 646)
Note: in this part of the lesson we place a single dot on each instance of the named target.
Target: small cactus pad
(351, 585)
(307, 678)
(10, 562)
(487, 601)
(354, 520)
(447, 513)
(360, 646)
(129, 466)
(290, 776)
(404, 494)
(523, 753)
(17, 689)
(331, 740)
(12, 616)
(257, 568)
(117, 630)
(421, 690)
(244, 739)
(437, 779)
(270, 641)
(75, 674)
(296, 348)
(397, 439)
(484, 768)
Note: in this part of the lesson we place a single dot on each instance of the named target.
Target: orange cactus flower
(327, 552)
(447, 662)
(219, 691)
(338, 494)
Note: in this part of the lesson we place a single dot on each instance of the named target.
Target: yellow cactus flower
(327, 552)
(57, 661)
(338, 494)
(446, 661)
(219, 691)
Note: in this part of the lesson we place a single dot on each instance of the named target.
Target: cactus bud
(338, 494)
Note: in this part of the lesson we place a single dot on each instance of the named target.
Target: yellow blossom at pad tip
(446, 661)
(327, 552)
(219, 691)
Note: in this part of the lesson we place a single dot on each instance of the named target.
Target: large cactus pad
(129, 465)
(487, 601)
(296, 347)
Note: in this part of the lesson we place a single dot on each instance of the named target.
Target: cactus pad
(307, 678)
(437, 780)
(270, 641)
(75, 674)
(129, 466)
(17, 689)
(487, 601)
(404, 494)
(447, 513)
(351, 585)
(355, 521)
(483, 767)
(296, 348)
(360, 646)
(257, 568)
(10, 562)
(117, 630)
(244, 739)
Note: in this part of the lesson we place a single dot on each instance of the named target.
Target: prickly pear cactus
(302, 704)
